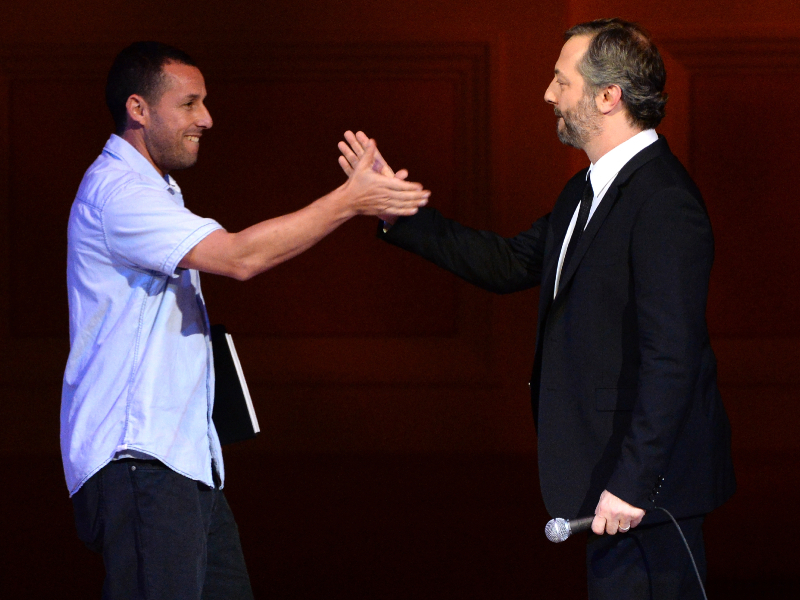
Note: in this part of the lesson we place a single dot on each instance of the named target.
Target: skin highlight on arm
(262, 246)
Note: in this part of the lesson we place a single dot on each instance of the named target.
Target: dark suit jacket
(624, 388)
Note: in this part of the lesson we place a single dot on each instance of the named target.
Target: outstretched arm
(490, 261)
(258, 248)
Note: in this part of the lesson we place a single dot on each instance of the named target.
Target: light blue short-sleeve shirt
(140, 377)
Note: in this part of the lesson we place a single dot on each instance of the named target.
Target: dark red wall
(397, 456)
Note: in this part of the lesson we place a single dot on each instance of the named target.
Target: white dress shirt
(602, 173)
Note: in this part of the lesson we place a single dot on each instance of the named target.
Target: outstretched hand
(353, 148)
(370, 192)
(614, 515)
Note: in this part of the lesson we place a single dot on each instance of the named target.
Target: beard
(173, 157)
(579, 125)
(167, 149)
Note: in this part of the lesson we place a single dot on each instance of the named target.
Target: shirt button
(133, 468)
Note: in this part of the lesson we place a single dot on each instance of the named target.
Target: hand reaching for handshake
(359, 152)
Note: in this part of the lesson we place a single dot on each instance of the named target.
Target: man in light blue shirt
(141, 455)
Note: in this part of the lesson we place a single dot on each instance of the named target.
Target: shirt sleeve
(145, 228)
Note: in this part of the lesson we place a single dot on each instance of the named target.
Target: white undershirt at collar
(602, 174)
(606, 169)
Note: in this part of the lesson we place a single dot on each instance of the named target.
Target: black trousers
(647, 563)
(162, 535)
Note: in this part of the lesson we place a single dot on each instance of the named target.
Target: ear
(138, 111)
(609, 100)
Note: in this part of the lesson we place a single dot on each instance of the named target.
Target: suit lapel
(605, 206)
(561, 222)
(600, 214)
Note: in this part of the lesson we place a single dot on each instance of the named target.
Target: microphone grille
(557, 530)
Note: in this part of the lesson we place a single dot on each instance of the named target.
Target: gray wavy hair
(622, 53)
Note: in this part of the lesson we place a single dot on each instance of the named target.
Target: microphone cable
(689, 550)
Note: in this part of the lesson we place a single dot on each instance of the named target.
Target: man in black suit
(624, 392)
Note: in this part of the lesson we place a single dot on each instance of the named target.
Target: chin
(187, 159)
(188, 163)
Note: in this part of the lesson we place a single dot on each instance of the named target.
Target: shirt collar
(606, 168)
(124, 151)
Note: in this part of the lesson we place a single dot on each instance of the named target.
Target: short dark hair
(622, 53)
(138, 69)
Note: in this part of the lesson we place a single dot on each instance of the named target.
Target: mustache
(557, 112)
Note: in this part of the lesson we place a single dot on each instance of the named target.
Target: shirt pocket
(608, 399)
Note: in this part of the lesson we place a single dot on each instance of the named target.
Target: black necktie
(583, 216)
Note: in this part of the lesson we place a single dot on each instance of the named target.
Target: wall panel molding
(745, 358)
(5, 225)
(731, 53)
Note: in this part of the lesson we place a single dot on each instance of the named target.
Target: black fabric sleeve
(672, 251)
(482, 258)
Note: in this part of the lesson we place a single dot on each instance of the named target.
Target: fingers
(372, 187)
(613, 515)
(399, 184)
(358, 155)
(361, 138)
(367, 155)
(602, 525)
(400, 211)
(348, 156)
(345, 164)
(395, 202)
(599, 525)
(380, 165)
(419, 196)
(369, 164)
(368, 159)
(354, 147)
(355, 144)
(402, 174)
(402, 207)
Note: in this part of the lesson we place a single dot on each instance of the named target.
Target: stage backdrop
(397, 454)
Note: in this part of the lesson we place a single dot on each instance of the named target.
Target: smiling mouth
(193, 138)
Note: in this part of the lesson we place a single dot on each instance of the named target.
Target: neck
(135, 138)
(615, 131)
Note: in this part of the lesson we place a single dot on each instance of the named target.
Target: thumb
(367, 160)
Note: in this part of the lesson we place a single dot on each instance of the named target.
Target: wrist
(341, 201)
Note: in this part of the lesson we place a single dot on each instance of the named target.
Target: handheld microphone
(558, 530)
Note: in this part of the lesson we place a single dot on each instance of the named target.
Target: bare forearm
(266, 244)
(260, 247)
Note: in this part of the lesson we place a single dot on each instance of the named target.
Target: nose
(549, 95)
(205, 121)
